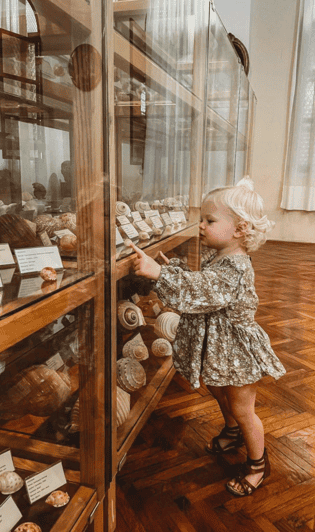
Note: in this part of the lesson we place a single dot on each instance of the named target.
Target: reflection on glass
(247, 102)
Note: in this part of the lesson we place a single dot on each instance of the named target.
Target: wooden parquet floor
(168, 483)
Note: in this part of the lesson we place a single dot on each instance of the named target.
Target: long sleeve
(199, 292)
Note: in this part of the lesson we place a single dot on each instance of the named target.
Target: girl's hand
(166, 260)
(144, 265)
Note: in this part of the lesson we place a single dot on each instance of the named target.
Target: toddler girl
(217, 338)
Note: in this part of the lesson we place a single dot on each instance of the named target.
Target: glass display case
(115, 118)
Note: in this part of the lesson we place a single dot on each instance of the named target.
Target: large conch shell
(162, 348)
(75, 418)
(122, 209)
(166, 325)
(10, 482)
(129, 315)
(28, 527)
(58, 498)
(130, 374)
(123, 406)
(135, 348)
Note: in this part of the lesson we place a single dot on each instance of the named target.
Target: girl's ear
(241, 228)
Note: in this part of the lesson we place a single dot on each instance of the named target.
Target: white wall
(271, 51)
(235, 15)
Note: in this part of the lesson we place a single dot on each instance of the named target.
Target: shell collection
(48, 274)
(129, 315)
(123, 406)
(50, 224)
(10, 482)
(135, 348)
(166, 325)
(161, 348)
(130, 374)
(28, 527)
(58, 498)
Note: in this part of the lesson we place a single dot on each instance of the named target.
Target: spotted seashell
(123, 406)
(143, 235)
(58, 498)
(10, 482)
(130, 374)
(48, 274)
(68, 243)
(122, 209)
(28, 527)
(48, 224)
(166, 325)
(136, 349)
(162, 348)
(75, 418)
(129, 315)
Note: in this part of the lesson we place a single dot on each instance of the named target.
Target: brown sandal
(251, 467)
(233, 434)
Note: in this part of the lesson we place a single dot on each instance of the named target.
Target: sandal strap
(230, 433)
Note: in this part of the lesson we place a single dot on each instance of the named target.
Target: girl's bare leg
(219, 393)
(241, 402)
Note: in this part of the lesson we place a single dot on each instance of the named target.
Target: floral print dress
(217, 337)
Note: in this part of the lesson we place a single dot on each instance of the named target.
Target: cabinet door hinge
(121, 462)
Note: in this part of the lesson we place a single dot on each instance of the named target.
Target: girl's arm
(190, 292)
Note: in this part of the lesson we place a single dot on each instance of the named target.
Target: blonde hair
(247, 206)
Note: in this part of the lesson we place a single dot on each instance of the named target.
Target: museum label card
(119, 238)
(166, 218)
(123, 219)
(6, 462)
(130, 231)
(41, 484)
(6, 257)
(45, 240)
(136, 216)
(9, 515)
(143, 226)
(156, 221)
(177, 217)
(135, 298)
(64, 232)
(31, 260)
(156, 309)
(148, 214)
(1, 283)
(55, 362)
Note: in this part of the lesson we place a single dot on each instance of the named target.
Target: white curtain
(10, 14)
(299, 184)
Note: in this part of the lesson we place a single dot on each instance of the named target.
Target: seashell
(162, 348)
(167, 230)
(135, 348)
(15, 231)
(69, 220)
(48, 224)
(122, 209)
(48, 287)
(157, 231)
(140, 206)
(10, 482)
(28, 527)
(68, 243)
(169, 202)
(58, 498)
(129, 315)
(123, 406)
(48, 274)
(166, 325)
(75, 418)
(143, 235)
(26, 196)
(127, 242)
(59, 71)
(37, 390)
(130, 374)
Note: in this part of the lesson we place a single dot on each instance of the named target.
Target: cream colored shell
(75, 418)
(123, 406)
(130, 374)
(58, 498)
(162, 348)
(68, 243)
(143, 235)
(129, 315)
(28, 527)
(140, 206)
(166, 325)
(135, 348)
(48, 274)
(10, 482)
(122, 209)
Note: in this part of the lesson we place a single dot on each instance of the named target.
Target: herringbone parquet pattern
(169, 483)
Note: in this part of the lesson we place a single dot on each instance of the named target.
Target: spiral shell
(157, 231)
(10, 482)
(68, 243)
(123, 406)
(122, 209)
(48, 274)
(166, 325)
(130, 374)
(58, 498)
(140, 206)
(162, 348)
(28, 527)
(143, 235)
(136, 349)
(75, 418)
(129, 315)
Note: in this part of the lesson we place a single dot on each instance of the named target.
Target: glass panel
(247, 102)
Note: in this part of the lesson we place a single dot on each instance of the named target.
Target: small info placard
(41, 484)
(31, 260)
(166, 218)
(6, 257)
(9, 515)
(6, 462)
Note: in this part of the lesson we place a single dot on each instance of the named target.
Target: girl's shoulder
(241, 263)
